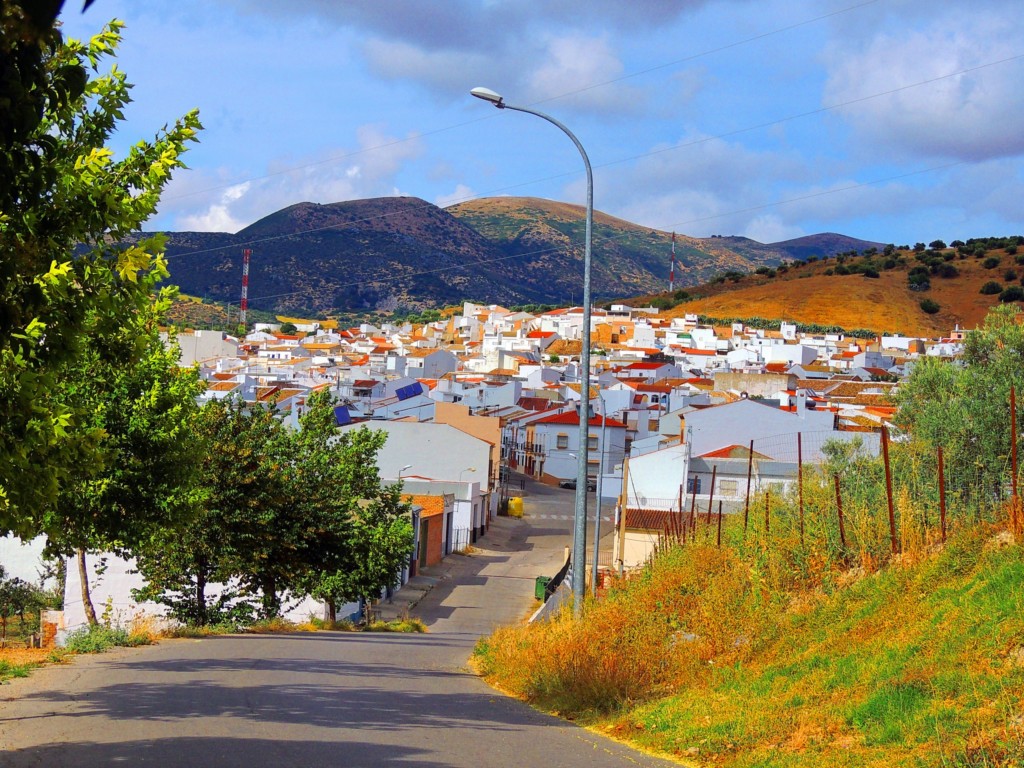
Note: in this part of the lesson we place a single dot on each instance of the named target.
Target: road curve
(321, 699)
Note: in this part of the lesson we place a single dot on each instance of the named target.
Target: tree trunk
(332, 611)
(83, 574)
(201, 616)
(271, 603)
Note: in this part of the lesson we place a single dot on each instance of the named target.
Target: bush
(1009, 275)
(991, 288)
(948, 271)
(842, 269)
(102, 638)
(1013, 293)
(869, 272)
(929, 307)
(1011, 249)
(990, 263)
(937, 245)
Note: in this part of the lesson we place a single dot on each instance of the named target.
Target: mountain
(824, 244)
(403, 252)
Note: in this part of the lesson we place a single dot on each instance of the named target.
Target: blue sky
(889, 120)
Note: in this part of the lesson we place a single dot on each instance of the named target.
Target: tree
(346, 495)
(66, 209)
(965, 408)
(937, 245)
(147, 478)
(929, 306)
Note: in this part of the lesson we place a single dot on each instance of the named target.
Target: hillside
(816, 292)
(402, 252)
(919, 664)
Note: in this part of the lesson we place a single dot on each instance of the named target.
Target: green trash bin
(540, 586)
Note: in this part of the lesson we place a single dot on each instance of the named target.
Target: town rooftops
(572, 417)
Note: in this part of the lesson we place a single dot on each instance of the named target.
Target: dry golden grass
(885, 303)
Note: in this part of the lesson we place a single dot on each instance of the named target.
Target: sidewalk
(472, 594)
(407, 597)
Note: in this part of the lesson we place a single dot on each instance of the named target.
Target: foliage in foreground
(921, 663)
(61, 188)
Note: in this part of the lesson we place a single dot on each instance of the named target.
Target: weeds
(753, 657)
(101, 638)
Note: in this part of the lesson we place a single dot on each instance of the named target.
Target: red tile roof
(572, 417)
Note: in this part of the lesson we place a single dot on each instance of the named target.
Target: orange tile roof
(432, 505)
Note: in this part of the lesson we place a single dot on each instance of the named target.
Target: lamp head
(488, 95)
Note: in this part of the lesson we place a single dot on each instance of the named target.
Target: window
(728, 487)
(592, 442)
(562, 441)
(693, 485)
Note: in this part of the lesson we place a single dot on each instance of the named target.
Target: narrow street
(320, 699)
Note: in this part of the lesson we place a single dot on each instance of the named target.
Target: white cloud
(973, 116)
(217, 217)
(575, 61)
(461, 194)
(442, 70)
(770, 228)
(367, 171)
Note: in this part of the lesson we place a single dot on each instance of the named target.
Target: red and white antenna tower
(246, 253)
(672, 269)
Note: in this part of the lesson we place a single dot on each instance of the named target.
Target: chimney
(801, 403)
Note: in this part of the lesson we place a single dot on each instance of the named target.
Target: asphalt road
(321, 699)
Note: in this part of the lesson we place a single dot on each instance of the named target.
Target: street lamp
(471, 469)
(600, 489)
(579, 543)
(407, 466)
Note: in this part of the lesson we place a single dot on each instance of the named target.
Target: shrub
(929, 307)
(870, 272)
(991, 288)
(1011, 249)
(937, 245)
(1013, 293)
(1009, 275)
(842, 269)
(990, 263)
(948, 271)
(102, 638)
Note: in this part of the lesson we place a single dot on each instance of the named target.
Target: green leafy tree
(143, 408)
(67, 272)
(345, 494)
(965, 408)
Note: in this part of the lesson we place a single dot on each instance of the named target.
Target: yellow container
(515, 506)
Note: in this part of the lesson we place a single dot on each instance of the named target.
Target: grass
(703, 657)
(101, 638)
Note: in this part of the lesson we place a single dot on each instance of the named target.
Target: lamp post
(407, 466)
(600, 485)
(579, 543)
(470, 469)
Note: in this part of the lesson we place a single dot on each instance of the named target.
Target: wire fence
(803, 508)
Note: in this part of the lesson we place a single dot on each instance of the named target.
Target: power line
(566, 94)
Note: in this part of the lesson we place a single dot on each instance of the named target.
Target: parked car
(591, 484)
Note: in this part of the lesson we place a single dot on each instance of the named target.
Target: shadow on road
(224, 752)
